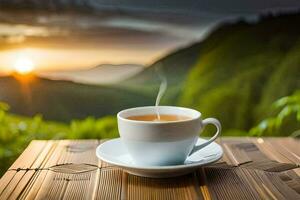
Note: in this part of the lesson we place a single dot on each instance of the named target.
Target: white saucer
(115, 153)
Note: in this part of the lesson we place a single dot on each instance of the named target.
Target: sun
(24, 65)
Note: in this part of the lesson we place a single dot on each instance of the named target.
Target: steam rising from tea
(162, 90)
(158, 117)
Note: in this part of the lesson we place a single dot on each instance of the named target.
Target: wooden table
(251, 168)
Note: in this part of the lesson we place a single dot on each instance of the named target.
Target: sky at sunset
(70, 47)
(64, 36)
(60, 59)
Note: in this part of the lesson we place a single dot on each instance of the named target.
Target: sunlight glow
(24, 65)
(47, 59)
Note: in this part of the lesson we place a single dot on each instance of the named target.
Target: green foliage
(241, 69)
(94, 128)
(3, 107)
(16, 132)
(288, 109)
(283, 81)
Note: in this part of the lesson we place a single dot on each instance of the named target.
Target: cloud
(173, 6)
(109, 30)
(154, 27)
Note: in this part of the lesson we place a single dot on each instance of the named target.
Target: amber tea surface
(161, 117)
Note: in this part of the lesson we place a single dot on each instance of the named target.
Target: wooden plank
(270, 166)
(292, 144)
(297, 171)
(271, 150)
(285, 189)
(50, 158)
(28, 160)
(292, 179)
(78, 151)
(12, 184)
(255, 184)
(227, 184)
(269, 185)
(184, 187)
(236, 155)
(21, 184)
(67, 157)
(246, 153)
(226, 156)
(263, 187)
(6, 179)
(238, 151)
(279, 190)
(124, 191)
(31, 174)
(80, 184)
(286, 148)
(30, 154)
(34, 185)
(110, 184)
(66, 185)
(203, 185)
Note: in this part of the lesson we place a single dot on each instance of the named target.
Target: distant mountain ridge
(102, 74)
(65, 100)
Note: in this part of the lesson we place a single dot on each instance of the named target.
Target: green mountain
(243, 68)
(237, 72)
(65, 100)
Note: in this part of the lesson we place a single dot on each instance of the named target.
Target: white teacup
(159, 143)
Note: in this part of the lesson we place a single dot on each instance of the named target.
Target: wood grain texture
(184, 187)
(251, 168)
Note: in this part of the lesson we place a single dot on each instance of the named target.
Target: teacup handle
(206, 122)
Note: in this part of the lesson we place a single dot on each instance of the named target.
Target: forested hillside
(236, 73)
(243, 68)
